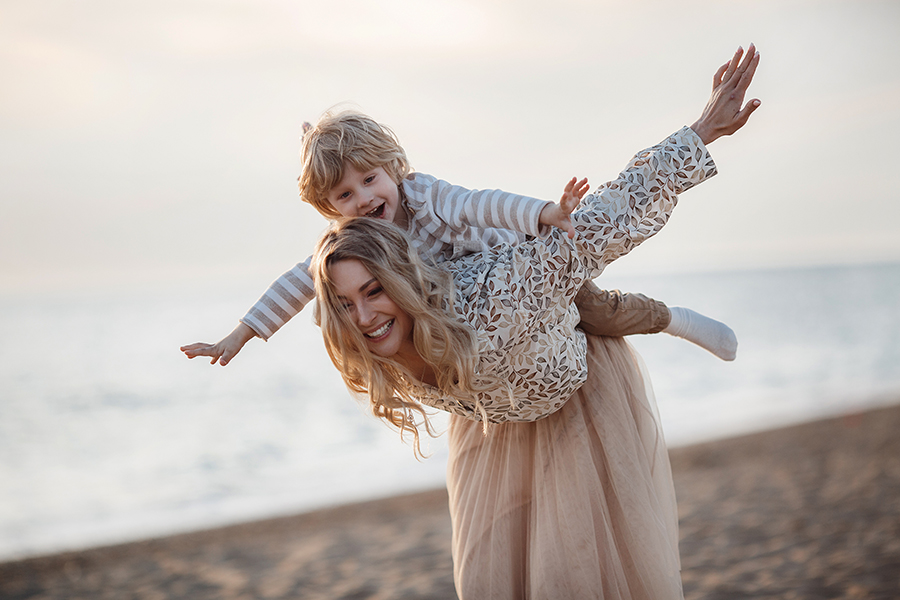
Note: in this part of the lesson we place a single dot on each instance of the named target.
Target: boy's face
(369, 193)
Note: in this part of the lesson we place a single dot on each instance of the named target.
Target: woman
(558, 476)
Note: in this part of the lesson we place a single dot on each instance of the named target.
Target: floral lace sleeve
(519, 299)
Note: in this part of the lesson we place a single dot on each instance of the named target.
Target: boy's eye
(344, 196)
(370, 179)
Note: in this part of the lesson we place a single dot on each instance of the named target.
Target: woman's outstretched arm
(725, 112)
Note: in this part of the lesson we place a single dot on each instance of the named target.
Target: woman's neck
(417, 366)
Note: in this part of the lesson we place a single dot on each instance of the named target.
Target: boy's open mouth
(376, 212)
(381, 331)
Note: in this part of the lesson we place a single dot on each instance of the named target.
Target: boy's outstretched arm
(284, 299)
(225, 349)
(725, 111)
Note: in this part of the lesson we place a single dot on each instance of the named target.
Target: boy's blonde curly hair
(346, 137)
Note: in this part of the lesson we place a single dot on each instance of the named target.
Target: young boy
(353, 166)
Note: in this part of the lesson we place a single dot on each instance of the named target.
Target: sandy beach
(810, 511)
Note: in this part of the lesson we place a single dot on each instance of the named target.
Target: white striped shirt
(446, 221)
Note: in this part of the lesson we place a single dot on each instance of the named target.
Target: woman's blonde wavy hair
(345, 137)
(425, 292)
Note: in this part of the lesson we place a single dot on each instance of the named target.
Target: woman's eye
(376, 290)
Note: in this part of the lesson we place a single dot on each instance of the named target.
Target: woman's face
(386, 327)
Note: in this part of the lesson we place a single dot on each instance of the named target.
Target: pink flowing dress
(569, 493)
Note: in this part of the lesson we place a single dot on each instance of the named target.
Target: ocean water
(108, 434)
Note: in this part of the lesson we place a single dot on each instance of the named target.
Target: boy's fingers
(581, 189)
(226, 357)
(200, 350)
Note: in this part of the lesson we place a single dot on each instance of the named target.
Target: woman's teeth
(381, 330)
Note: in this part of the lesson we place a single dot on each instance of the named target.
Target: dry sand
(811, 511)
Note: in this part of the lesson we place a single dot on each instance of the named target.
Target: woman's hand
(557, 215)
(723, 114)
(225, 350)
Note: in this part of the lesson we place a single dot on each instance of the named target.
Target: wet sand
(811, 511)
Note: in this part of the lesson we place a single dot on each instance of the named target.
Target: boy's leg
(715, 336)
(612, 313)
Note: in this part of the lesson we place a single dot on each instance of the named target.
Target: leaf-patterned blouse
(519, 299)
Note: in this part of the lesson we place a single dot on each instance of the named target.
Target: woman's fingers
(724, 112)
(733, 64)
(747, 75)
(748, 58)
(717, 78)
(737, 67)
(741, 118)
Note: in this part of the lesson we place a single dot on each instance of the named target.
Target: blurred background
(148, 165)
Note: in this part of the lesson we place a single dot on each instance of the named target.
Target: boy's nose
(364, 199)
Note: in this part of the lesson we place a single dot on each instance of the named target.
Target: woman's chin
(383, 347)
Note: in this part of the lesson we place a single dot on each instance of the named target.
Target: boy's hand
(723, 114)
(226, 349)
(557, 215)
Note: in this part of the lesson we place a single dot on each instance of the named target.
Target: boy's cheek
(340, 209)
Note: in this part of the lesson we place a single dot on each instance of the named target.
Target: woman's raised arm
(725, 112)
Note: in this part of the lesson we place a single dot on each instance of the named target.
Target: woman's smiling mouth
(381, 331)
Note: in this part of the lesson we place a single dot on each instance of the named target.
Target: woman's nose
(364, 314)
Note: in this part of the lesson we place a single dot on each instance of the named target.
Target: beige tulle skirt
(577, 505)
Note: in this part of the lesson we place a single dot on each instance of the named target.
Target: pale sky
(156, 141)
